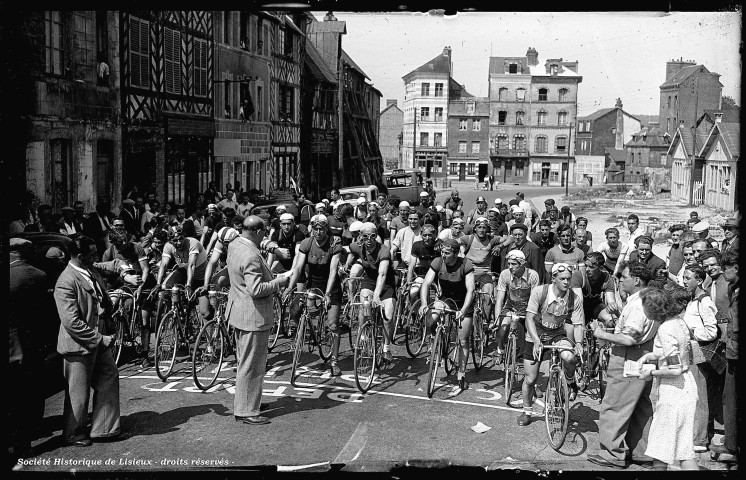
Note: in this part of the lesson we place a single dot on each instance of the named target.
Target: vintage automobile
(351, 194)
(405, 184)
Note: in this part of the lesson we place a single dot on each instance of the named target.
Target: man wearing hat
(480, 211)
(530, 214)
(702, 228)
(497, 226)
(454, 201)
(424, 203)
(27, 302)
(68, 225)
(518, 240)
(548, 204)
(287, 236)
(129, 215)
(567, 253)
(730, 230)
(320, 208)
(374, 218)
(361, 209)
(400, 221)
(519, 216)
(98, 225)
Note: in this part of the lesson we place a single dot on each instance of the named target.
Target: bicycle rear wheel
(166, 344)
(557, 408)
(135, 333)
(274, 333)
(300, 337)
(414, 338)
(436, 351)
(365, 357)
(208, 355)
(510, 367)
(603, 362)
(400, 315)
(451, 348)
(121, 323)
(325, 337)
(477, 342)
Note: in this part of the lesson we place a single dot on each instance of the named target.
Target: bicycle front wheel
(300, 337)
(274, 333)
(118, 346)
(325, 337)
(557, 408)
(207, 358)
(399, 316)
(414, 337)
(451, 349)
(510, 367)
(365, 357)
(135, 333)
(436, 351)
(477, 342)
(166, 344)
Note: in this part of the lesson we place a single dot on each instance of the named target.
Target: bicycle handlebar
(556, 347)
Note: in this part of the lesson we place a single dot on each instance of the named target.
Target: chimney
(390, 102)
(673, 67)
(618, 103)
(447, 54)
(532, 56)
(718, 117)
(330, 17)
(326, 36)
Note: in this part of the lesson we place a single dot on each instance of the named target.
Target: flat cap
(518, 225)
(17, 244)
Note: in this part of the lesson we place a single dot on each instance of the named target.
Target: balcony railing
(508, 152)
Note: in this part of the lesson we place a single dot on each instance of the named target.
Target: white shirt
(631, 241)
(526, 207)
(96, 288)
(68, 228)
(404, 240)
(700, 318)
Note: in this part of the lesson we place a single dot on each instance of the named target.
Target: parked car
(405, 184)
(53, 380)
(351, 194)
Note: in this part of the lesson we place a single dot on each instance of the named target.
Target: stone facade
(391, 136)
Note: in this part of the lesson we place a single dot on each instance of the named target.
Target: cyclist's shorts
(528, 347)
(437, 305)
(506, 317)
(417, 282)
(592, 308)
(386, 293)
(483, 278)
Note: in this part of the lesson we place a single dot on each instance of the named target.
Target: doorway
(482, 171)
(545, 167)
(461, 172)
(508, 171)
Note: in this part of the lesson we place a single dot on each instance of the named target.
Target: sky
(620, 55)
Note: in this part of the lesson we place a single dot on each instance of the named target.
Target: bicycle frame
(439, 348)
(556, 399)
(304, 322)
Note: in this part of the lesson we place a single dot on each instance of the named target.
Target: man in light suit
(249, 311)
(83, 340)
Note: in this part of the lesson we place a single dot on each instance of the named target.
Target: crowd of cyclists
(535, 271)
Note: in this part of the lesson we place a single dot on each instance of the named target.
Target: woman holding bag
(700, 319)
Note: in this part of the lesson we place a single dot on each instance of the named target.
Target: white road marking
(354, 446)
(293, 468)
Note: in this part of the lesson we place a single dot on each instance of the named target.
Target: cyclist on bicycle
(554, 315)
(216, 272)
(287, 236)
(377, 280)
(599, 300)
(455, 277)
(514, 288)
(566, 252)
(423, 253)
(320, 255)
(479, 249)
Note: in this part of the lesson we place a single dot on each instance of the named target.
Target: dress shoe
(524, 419)
(255, 420)
(83, 442)
(599, 460)
(715, 448)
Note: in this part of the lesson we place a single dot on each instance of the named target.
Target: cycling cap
(498, 201)
(481, 199)
(516, 209)
(319, 220)
(226, 234)
(403, 204)
(355, 226)
(368, 227)
(325, 201)
(361, 201)
(493, 209)
(516, 255)
(423, 194)
(429, 227)
(286, 216)
(450, 244)
(281, 208)
(374, 205)
(480, 219)
(459, 221)
(319, 205)
(560, 267)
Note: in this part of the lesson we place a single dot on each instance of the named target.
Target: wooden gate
(698, 194)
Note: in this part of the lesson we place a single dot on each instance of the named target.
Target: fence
(698, 193)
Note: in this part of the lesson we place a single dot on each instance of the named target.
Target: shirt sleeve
(502, 281)
(578, 315)
(384, 254)
(436, 264)
(667, 342)
(305, 246)
(708, 329)
(194, 248)
(168, 251)
(633, 321)
(533, 300)
(335, 249)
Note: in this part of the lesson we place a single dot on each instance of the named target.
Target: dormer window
(513, 68)
(553, 69)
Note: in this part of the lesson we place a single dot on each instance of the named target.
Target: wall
(589, 166)
(391, 127)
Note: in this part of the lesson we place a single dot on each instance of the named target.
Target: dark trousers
(626, 410)
(730, 406)
(25, 407)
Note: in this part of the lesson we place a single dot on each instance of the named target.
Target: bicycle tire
(207, 358)
(135, 333)
(325, 338)
(436, 351)
(414, 338)
(510, 367)
(399, 314)
(166, 345)
(118, 345)
(603, 362)
(557, 408)
(451, 349)
(274, 333)
(364, 359)
(311, 334)
(378, 338)
(300, 338)
(477, 342)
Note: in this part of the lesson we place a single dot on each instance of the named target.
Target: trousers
(626, 410)
(95, 371)
(251, 352)
(730, 406)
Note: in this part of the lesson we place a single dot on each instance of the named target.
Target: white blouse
(700, 318)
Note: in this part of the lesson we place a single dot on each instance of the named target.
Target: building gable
(680, 153)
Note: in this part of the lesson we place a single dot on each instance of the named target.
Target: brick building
(468, 136)
(688, 91)
(67, 88)
(391, 136)
(647, 161)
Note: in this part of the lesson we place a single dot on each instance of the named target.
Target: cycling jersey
(479, 252)
(181, 255)
(370, 262)
(318, 261)
(425, 256)
(553, 313)
(225, 235)
(573, 257)
(612, 255)
(452, 279)
(131, 256)
(287, 241)
(518, 289)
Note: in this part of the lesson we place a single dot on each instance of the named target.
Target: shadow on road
(148, 422)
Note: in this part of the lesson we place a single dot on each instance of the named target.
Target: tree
(729, 103)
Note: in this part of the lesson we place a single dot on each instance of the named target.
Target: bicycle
(556, 399)
(510, 356)
(479, 333)
(440, 347)
(176, 329)
(128, 327)
(402, 299)
(351, 309)
(305, 326)
(281, 311)
(415, 329)
(214, 342)
(368, 353)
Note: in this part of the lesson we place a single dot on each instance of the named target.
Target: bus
(407, 184)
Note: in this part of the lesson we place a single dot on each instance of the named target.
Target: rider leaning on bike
(551, 320)
(599, 300)
(455, 276)
(423, 253)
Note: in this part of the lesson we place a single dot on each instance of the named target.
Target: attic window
(553, 69)
(513, 68)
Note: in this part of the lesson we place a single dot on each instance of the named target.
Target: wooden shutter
(200, 68)
(139, 53)
(172, 56)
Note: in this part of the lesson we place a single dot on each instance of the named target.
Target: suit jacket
(249, 306)
(27, 318)
(92, 227)
(81, 326)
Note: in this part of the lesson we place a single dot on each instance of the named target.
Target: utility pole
(414, 139)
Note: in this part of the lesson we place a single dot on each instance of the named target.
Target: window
(553, 69)
(519, 142)
(470, 169)
(560, 144)
(519, 117)
(562, 118)
(288, 44)
(462, 124)
(54, 54)
(438, 114)
(475, 147)
(542, 94)
(259, 103)
(227, 27)
(513, 68)
(243, 28)
(476, 125)
(200, 68)
(518, 170)
(287, 104)
(502, 141)
(554, 176)
(425, 90)
(501, 117)
(264, 44)
(675, 101)
(102, 37)
(227, 101)
(453, 168)
(503, 94)
(470, 108)
(461, 147)
(438, 89)
(280, 45)
(61, 175)
(563, 94)
(424, 139)
(172, 57)
(139, 53)
(663, 159)
(437, 139)
(536, 176)
(520, 94)
(542, 118)
(639, 158)
(104, 168)
(541, 144)
(424, 114)
(83, 45)
(583, 146)
(668, 105)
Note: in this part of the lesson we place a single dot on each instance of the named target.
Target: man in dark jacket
(98, 224)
